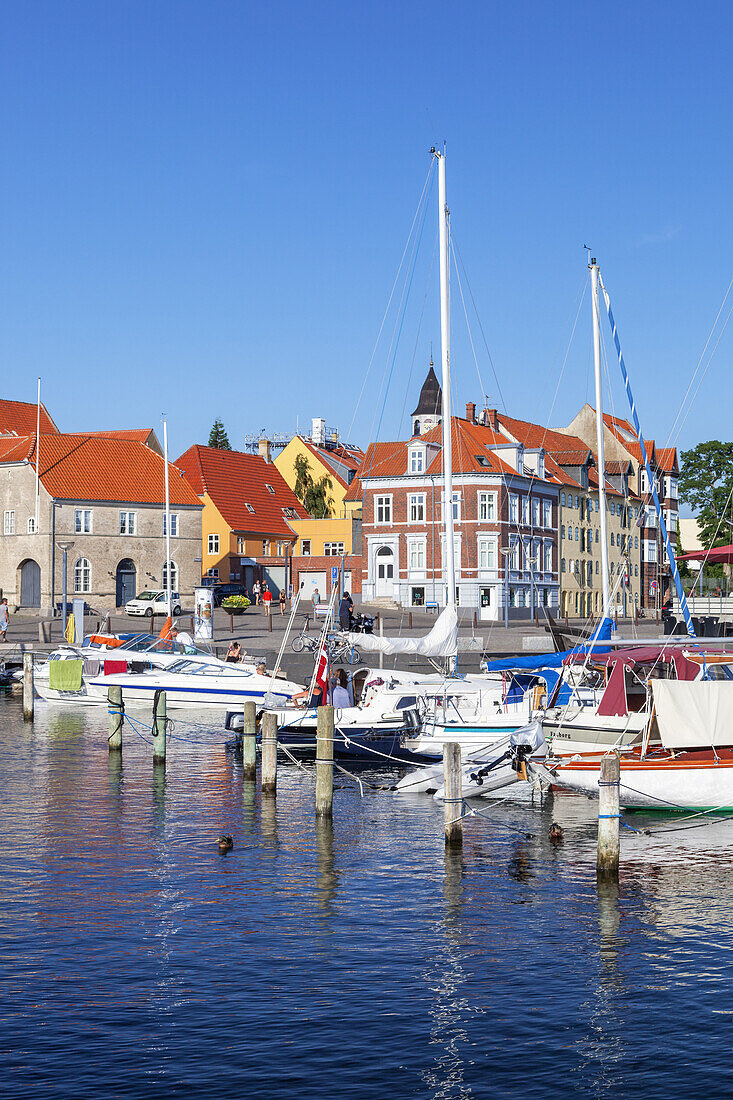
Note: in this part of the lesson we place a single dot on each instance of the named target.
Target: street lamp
(506, 551)
(65, 547)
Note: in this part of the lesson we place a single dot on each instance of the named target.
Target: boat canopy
(521, 681)
(613, 701)
(441, 641)
(555, 660)
(694, 715)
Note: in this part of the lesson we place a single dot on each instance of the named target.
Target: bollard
(475, 620)
(231, 622)
(249, 740)
(116, 710)
(159, 727)
(324, 763)
(268, 726)
(453, 793)
(410, 621)
(269, 619)
(28, 689)
(608, 817)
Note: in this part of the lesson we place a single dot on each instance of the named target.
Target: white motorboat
(196, 682)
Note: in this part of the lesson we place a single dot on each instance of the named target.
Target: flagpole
(38, 444)
(167, 522)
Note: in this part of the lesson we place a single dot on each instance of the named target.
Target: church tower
(429, 411)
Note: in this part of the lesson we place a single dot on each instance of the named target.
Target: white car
(153, 603)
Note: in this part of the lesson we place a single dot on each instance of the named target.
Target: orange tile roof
(141, 434)
(16, 448)
(85, 467)
(667, 458)
(19, 418)
(233, 479)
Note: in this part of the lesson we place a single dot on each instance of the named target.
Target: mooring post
(159, 729)
(269, 752)
(453, 793)
(28, 689)
(608, 816)
(410, 621)
(116, 712)
(324, 763)
(249, 740)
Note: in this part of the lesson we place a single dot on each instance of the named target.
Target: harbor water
(358, 960)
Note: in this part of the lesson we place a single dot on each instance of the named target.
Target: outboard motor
(523, 743)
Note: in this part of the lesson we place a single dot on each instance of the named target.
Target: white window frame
(487, 553)
(83, 521)
(305, 547)
(513, 557)
(82, 575)
(174, 524)
(536, 512)
(416, 507)
(514, 508)
(416, 551)
(526, 514)
(128, 523)
(547, 513)
(487, 507)
(333, 549)
(31, 525)
(416, 464)
(212, 545)
(383, 504)
(9, 522)
(174, 576)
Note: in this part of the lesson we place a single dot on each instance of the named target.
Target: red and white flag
(321, 679)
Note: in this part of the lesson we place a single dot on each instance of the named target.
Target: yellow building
(325, 458)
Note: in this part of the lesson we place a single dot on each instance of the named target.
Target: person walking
(4, 618)
(267, 599)
(282, 601)
(256, 593)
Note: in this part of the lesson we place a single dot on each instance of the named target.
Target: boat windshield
(202, 668)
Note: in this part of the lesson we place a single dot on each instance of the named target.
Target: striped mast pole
(647, 466)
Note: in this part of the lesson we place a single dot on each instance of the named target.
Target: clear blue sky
(203, 204)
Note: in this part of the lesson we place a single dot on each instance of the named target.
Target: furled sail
(441, 641)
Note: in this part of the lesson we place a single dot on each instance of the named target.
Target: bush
(235, 603)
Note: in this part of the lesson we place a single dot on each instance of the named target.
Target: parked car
(221, 591)
(153, 602)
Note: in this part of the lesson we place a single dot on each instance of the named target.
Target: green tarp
(65, 675)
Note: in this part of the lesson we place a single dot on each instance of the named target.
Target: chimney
(263, 447)
(491, 419)
(471, 412)
(318, 432)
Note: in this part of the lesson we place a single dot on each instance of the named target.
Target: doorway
(126, 582)
(30, 584)
(385, 571)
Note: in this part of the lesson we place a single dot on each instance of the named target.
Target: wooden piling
(453, 793)
(249, 740)
(28, 688)
(324, 763)
(159, 729)
(608, 817)
(269, 752)
(116, 713)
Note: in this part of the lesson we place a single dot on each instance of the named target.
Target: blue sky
(203, 205)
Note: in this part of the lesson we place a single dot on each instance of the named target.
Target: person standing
(282, 601)
(340, 691)
(345, 609)
(267, 599)
(315, 598)
(4, 618)
(256, 593)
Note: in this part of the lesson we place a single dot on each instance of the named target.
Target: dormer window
(416, 462)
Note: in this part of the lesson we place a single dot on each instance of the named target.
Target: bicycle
(304, 640)
(339, 650)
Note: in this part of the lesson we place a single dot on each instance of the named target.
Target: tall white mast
(38, 445)
(599, 436)
(443, 215)
(167, 521)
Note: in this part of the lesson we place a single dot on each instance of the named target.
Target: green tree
(218, 437)
(314, 495)
(706, 481)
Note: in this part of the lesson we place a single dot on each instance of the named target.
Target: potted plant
(235, 605)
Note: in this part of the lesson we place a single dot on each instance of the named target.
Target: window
(548, 557)
(636, 542)
(174, 576)
(305, 548)
(416, 550)
(537, 511)
(128, 523)
(514, 555)
(650, 550)
(384, 509)
(597, 506)
(547, 513)
(83, 521)
(570, 533)
(576, 535)
(562, 565)
(333, 548)
(513, 508)
(562, 531)
(612, 539)
(672, 488)
(249, 507)
(636, 570)
(417, 507)
(32, 525)
(265, 547)
(213, 573)
(417, 460)
(456, 506)
(9, 523)
(269, 489)
(486, 553)
(525, 509)
(597, 569)
(642, 480)
(82, 575)
(487, 506)
(562, 499)
(577, 501)
(174, 524)
(213, 544)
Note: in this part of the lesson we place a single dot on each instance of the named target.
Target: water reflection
(159, 794)
(268, 819)
(328, 879)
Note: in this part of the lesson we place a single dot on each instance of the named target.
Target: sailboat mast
(38, 445)
(443, 215)
(599, 438)
(167, 521)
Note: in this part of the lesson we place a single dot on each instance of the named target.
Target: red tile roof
(141, 434)
(19, 418)
(233, 479)
(667, 458)
(86, 467)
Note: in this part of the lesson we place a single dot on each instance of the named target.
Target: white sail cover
(694, 713)
(442, 641)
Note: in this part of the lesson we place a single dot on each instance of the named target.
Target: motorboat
(197, 682)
